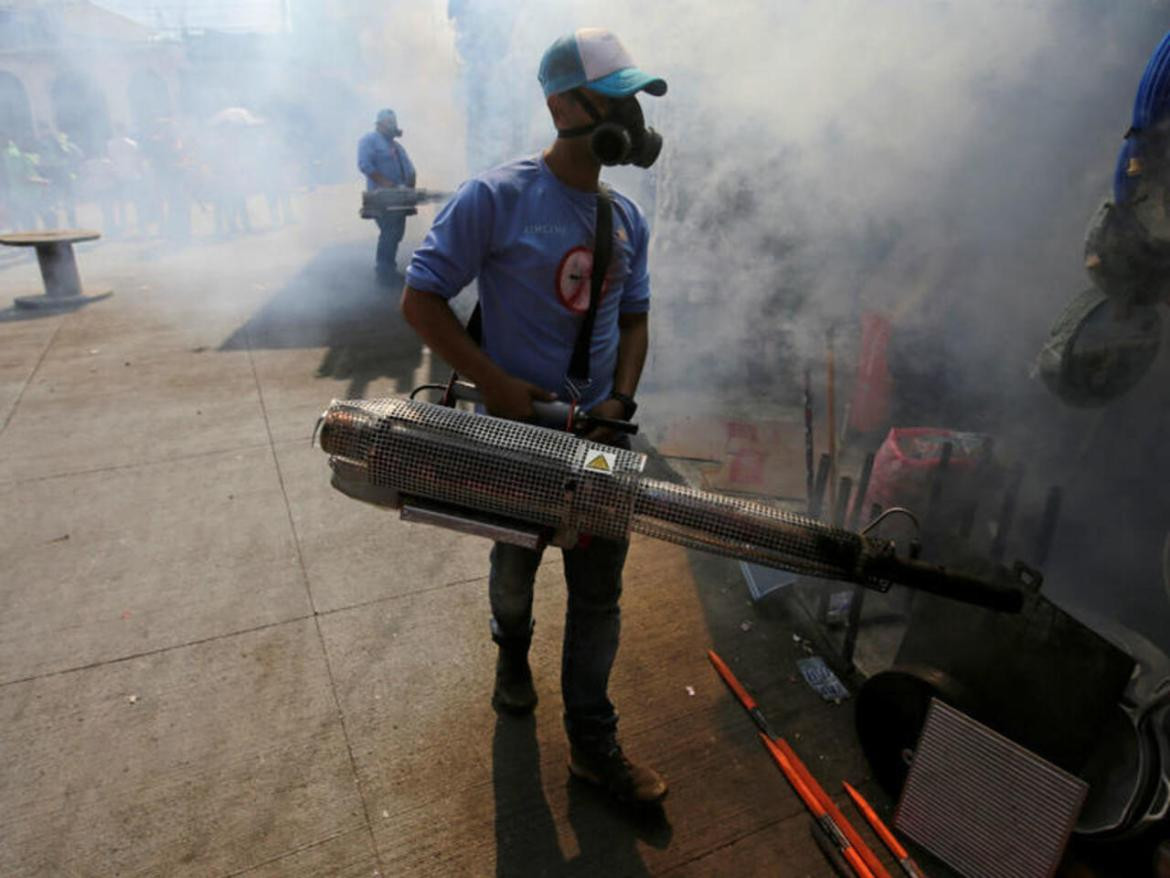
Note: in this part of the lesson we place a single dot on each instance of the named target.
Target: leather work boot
(514, 692)
(608, 768)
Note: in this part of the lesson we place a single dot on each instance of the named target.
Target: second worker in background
(386, 165)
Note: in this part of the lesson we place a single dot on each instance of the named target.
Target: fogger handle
(947, 583)
(556, 414)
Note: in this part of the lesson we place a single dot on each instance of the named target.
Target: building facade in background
(73, 67)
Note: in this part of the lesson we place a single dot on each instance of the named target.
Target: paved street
(212, 664)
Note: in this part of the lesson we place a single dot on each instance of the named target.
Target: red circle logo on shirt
(574, 276)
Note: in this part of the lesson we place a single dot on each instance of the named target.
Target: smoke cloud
(934, 161)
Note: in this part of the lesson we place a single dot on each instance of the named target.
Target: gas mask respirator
(621, 138)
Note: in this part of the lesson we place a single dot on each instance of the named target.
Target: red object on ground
(905, 461)
(869, 410)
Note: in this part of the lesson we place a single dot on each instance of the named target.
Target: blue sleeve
(408, 165)
(636, 295)
(457, 244)
(365, 155)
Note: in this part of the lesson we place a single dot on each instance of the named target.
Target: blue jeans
(593, 574)
(390, 232)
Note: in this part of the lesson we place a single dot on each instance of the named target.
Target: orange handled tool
(818, 811)
(896, 848)
(838, 819)
(871, 860)
(749, 703)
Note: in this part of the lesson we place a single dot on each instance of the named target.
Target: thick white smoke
(933, 160)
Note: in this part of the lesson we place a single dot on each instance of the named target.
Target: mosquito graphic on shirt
(573, 279)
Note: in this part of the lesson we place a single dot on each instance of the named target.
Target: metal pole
(936, 484)
(841, 506)
(857, 599)
(862, 490)
(818, 496)
(844, 489)
(1048, 524)
(809, 472)
(831, 412)
(1007, 513)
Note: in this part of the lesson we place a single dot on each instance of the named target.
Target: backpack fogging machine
(534, 486)
(394, 200)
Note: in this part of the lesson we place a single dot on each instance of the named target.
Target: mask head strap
(597, 118)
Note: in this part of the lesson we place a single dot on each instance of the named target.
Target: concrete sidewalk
(212, 664)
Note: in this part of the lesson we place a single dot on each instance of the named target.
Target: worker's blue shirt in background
(528, 238)
(378, 154)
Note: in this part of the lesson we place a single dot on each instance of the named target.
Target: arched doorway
(80, 111)
(16, 121)
(150, 100)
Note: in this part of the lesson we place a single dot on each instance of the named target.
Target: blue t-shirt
(528, 238)
(379, 154)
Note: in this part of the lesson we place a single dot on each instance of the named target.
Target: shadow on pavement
(14, 314)
(526, 837)
(335, 303)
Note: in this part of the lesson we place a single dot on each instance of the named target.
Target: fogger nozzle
(385, 451)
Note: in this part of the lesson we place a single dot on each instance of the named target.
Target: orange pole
(729, 678)
(818, 811)
(749, 704)
(875, 865)
(896, 848)
(831, 413)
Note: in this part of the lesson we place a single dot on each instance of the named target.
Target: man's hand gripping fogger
(512, 398)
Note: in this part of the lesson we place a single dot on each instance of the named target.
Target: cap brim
(627, 81)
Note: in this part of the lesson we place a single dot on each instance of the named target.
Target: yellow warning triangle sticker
(598, 462)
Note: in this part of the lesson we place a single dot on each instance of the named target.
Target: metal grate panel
(983, 804)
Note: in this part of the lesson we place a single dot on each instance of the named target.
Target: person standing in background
(386, 165)
(173, 170)
(96, 183)
(129, 179)
(27, 189)
(278, 174)
(60, 163)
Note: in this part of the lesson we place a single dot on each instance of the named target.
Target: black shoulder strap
(602, 253)
(401, 163)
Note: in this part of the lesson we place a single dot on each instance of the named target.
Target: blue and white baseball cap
(595, 58)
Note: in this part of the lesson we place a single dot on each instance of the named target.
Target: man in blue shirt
(386, 165)
(525, 231)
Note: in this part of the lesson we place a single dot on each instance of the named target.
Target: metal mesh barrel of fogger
(538, 476)
(485, 464)
(747, 530)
